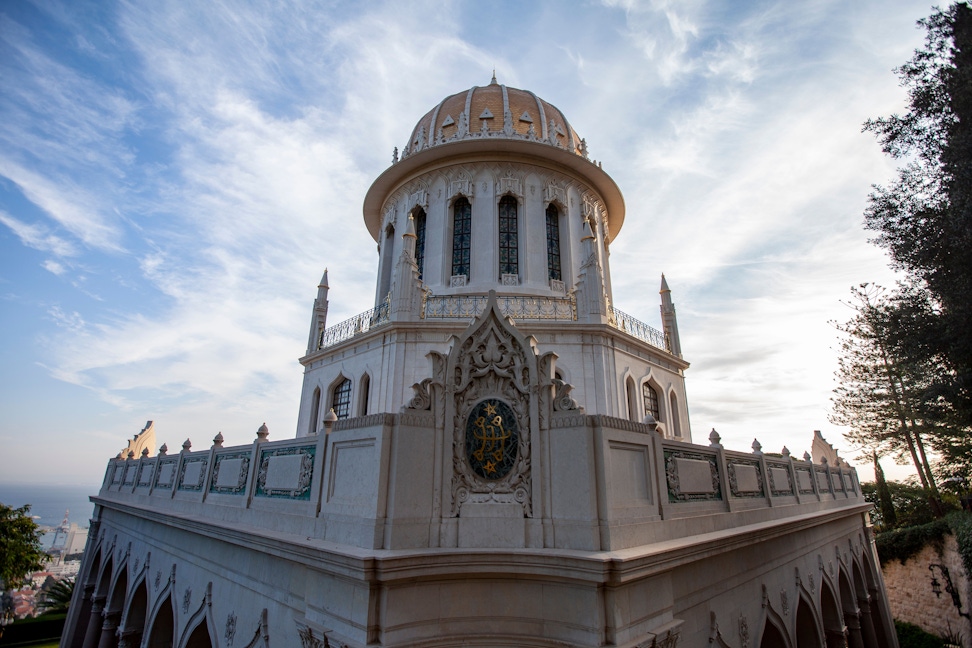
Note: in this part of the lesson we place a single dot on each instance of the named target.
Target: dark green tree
(924, 218)
(20, 547)
(880, 384)
(885, 504)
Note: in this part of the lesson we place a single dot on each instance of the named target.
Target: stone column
(854, 637)
(93, 632)
(129, 639)
(867, 625)
(108, 629)
(836, 639)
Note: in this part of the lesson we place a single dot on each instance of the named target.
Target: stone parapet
(371, 483)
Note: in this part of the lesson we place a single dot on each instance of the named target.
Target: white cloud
(228, 169)
(54, 267)
(38, 237)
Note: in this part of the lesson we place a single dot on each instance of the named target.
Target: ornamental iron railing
(361, 323)
(514, 306)
(638, 329)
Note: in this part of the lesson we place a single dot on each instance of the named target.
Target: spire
(406, 286)
(318, 316)
(493, 80)
(591, 298)
(669, 323)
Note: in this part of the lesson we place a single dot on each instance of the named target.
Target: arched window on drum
(461, 230)
(419, 220)
(553, 243)
(509, 237)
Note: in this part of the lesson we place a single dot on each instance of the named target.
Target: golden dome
(496, 112)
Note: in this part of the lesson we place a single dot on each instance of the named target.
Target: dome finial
(493, 80)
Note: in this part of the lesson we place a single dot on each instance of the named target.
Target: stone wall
(910, 591)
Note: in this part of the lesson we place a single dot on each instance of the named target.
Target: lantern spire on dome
(493, 80)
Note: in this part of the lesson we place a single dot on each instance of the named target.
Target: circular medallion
(492, 437)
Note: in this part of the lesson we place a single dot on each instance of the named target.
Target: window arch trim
(461, 236)
(339, 396)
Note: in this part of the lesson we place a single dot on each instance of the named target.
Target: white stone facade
(490, 457)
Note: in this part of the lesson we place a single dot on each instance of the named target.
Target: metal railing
(514, 306)
(361, 323)
(638, 329)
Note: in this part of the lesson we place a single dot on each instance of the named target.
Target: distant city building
(493, 455)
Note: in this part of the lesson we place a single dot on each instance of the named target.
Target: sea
(48, 504)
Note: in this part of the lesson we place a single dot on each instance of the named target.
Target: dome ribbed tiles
(494, 111)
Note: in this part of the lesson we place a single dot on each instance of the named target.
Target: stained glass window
(419, 217)
(341, 399)
(651, 400)
(492, 439)
(461, 226)
(553, 242)
(509, 261)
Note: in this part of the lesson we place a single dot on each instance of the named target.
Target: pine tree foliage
(881, 383)
(924, 218)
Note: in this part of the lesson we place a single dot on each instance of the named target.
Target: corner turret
(669, 323)
(319, 316)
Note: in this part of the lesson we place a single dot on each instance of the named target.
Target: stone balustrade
(356, 486)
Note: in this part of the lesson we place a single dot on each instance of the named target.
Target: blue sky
(175, 176)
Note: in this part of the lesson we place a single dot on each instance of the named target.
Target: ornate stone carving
(299, 487)
(780, 480)
(422, 400)
(491, 367)
(231, 484)
(230, 631)
(186, 600)
(262, 634)
(743, 631)
(310, 639)
(457, 281)
(158, 578)
(192, 474)
(562, 401)
(784, 602)
(745, 478)
(677, 492)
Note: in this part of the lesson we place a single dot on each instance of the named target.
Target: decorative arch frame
(771, 617)
(364, 393)
(631, 403)
(315, 411)
(332, 387)
(120, 570)
(835, 600)
(165, 594)
(663, 417)
(203, 614)
(136, 580)
(674, 412)
(804, 596)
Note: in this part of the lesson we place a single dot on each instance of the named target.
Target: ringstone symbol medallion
(492, 436)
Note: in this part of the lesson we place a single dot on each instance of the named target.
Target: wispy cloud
(38, 236)
(197, 165)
